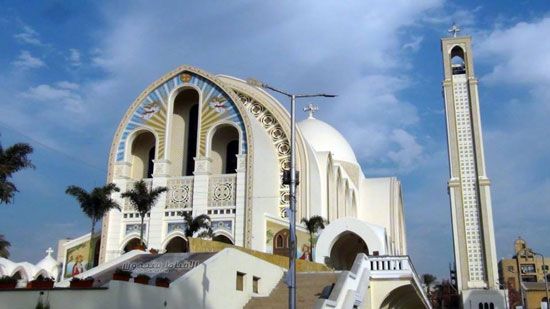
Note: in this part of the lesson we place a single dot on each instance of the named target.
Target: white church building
(221, 146)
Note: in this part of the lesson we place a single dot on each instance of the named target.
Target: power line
(69, 156)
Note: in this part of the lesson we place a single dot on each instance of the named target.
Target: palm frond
(4, 244)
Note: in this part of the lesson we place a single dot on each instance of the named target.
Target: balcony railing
(222, 190)
(180, 193)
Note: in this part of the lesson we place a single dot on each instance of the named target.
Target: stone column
(200, 185)
(111, 234)
(155, 223)
(240, 201)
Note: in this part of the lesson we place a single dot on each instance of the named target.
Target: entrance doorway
(345, 249)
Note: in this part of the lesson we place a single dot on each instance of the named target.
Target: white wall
(210, 285)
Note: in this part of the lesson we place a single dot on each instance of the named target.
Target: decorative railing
(222, 190)
(351, 286)
(180, 193)
(130, 185)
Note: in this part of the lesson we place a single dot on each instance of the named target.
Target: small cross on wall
(49, 251)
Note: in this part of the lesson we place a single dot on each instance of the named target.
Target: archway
(223, 149)
(176, 244)
(345, 249)
(222, 238)
(281, 243)
(143, 154)
(183, 132)
(131, 244)
(402, 297)
(372, 235)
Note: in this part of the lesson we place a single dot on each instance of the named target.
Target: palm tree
(95, 204)
(313, 225)
(143, 200)
(193, 225)
(428, 279)
(4, 244)
(12, 159)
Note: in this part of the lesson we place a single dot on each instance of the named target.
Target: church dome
(323, 137)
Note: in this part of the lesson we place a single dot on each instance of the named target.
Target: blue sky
(71, 69)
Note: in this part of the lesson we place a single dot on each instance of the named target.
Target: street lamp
(292, 211)
(544, 271)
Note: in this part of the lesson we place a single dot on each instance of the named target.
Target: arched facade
(221, 146)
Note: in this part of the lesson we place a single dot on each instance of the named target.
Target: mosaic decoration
(279, 139)
(221, 190)
(226, 225)
(151, 114)
(180, 193)
(176, 226)
(131, 228)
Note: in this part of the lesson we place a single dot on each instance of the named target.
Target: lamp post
(292, 211)
(544, 271)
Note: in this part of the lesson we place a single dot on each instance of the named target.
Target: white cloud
(414, 45)
(516, 142)
(28, 35)
(26, 61)
(67, 85)
(62, 93)
(74, 57)
(519, 54)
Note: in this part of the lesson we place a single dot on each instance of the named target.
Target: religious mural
(277, 241)
(151, 114)
(80, 257)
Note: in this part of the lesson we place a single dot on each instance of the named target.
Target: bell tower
(468, 186)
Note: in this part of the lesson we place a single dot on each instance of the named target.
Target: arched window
(183, 140)
(457, 60)
(224, 147)
(142, 155)
(280, 242)
(480, 306)
(486, 306)
(491, 306)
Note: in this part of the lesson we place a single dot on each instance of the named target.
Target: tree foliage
(196, 224)
(4, 244)
(143, 200)
(95, 204)
(12, 160)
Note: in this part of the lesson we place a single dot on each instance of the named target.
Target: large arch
(372, 235)
(331, 191)
(223, 146)
(345, 249)
(404, 296)
(183, 130)
(142, 153)
(175, 244)
(130, 243)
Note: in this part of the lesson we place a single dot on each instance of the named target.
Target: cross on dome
(311, 109)
(49, 251)
(454, 30)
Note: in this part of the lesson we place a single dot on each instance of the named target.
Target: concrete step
(308, 289)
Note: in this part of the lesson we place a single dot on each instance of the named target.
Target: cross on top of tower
(311, 109)
(454, 30)
(49, 251)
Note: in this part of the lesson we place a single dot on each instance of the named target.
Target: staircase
(308, 289)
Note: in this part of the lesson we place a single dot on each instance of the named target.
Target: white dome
(323, 137)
